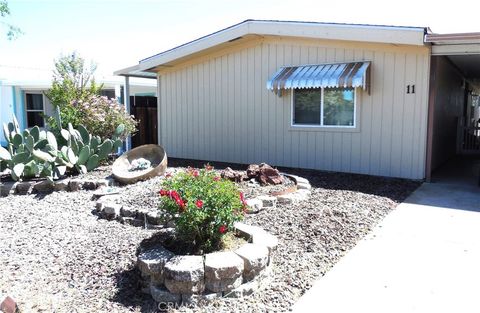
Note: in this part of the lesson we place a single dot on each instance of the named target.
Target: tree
(12, 31)
(72, 83)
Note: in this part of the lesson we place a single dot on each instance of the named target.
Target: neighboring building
(25, 97)
(377, 100)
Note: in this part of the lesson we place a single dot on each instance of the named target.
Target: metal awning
(355, 74)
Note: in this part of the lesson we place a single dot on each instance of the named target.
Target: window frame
(321, 125)
(26, 92)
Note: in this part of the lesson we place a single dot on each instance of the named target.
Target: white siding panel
(219, 109)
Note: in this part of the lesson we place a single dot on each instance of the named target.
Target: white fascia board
(456, 49)
(361, 33)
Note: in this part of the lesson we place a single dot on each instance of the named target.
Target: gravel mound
(55, 255)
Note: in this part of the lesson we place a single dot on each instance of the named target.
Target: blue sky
(117, 34)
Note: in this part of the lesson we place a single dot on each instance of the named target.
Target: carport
(453, 138)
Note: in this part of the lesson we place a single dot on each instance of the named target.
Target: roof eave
(347, 32)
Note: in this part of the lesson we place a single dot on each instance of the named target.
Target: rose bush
(203, 207)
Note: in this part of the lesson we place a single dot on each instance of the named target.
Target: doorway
(144, 108)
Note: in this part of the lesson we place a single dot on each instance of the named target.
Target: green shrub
(204, 207)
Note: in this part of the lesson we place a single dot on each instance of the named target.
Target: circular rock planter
(155, 154)
(191, 278)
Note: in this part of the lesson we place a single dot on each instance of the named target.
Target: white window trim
(25, 92)
(321, 126)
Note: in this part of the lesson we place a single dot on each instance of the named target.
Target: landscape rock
(253, 170)
(162, 295)
(127, 211)
(89, 184)
(61, 185)
(235, 176)
(7, 188)
(254, 205)
(75, 184)
(268, 175)
(23, 188)
(8, 305)
(43, 186)
(268, 201)
(185, 274)
(153, 260)
(255, 259)
(111, 210)
(223, 271)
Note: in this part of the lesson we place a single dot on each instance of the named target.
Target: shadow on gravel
(393, 188)
(129, 292)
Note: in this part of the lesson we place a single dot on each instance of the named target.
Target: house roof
(250, 28)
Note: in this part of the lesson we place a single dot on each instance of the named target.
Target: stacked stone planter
(171, 278)
(110, 208)
(43, 186)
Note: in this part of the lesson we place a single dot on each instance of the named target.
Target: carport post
(126, 97)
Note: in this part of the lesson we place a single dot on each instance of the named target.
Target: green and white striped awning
(354, 74)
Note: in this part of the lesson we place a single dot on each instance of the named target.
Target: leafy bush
(204, 207)
(101, 116)
(76, 98)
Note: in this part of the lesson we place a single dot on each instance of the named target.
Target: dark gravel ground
(56, 256)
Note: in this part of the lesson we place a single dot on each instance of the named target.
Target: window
(34, 109)
(329, 107)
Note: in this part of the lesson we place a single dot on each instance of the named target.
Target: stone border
(43, 186)
(106, 206)
(191, 278)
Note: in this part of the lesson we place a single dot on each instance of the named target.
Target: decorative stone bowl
(153, 153)
(190, 278)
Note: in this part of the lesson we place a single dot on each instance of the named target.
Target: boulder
(235, 176)
(268, 175)
(253, 170)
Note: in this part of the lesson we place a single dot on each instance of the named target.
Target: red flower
(242, 199)
(195, 173)
(164, 192)
(199, 203)
(216, 178)
(208, 167)
(222, 229)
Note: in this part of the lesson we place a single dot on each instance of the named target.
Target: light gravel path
(55, 255)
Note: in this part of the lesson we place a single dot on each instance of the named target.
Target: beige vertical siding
(218, 108)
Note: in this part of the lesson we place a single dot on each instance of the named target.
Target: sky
(118, 33)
